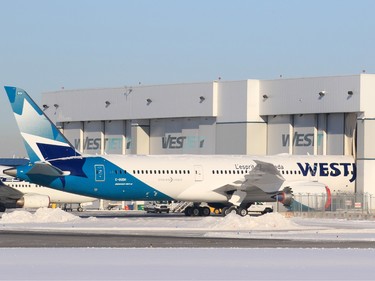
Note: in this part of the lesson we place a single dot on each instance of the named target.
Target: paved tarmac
(24, 239)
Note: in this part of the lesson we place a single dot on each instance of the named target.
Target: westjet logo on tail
(329, 169)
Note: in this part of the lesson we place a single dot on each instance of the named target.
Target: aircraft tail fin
(43, 141)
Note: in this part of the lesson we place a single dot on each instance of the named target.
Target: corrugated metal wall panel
(301, 96)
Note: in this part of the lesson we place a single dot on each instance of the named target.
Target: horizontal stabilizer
(46, 169)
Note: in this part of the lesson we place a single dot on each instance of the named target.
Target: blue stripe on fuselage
(81, 180)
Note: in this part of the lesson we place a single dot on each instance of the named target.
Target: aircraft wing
(263, 179)
(264, 176)
(8, 194)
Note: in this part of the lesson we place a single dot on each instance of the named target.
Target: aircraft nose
(11, 172)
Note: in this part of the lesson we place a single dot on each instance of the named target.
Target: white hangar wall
(320, 115)
(366, 136)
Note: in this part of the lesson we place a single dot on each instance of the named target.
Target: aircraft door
(99, 173)
(198, 170)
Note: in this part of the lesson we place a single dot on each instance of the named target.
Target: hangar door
(335, 134)
(303, 134)
(114, 137)
(182, 136)
(92, 137)
(279, 127)
(72, 131)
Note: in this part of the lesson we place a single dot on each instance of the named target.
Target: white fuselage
(187, 177)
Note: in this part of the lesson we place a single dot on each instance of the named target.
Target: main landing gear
(197, 211)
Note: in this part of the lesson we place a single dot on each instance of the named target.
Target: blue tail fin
(43, 141)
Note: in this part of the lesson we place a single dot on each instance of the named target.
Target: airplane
(16, 193)
(230, 182)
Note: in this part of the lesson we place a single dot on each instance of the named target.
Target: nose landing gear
(234, 210)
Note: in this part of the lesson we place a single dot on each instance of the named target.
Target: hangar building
(318, 115)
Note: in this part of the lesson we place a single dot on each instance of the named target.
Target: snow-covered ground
(189, 264)
(272, 226)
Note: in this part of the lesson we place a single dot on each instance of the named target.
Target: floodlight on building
(265, 96)
(350, 93)
(56, 105)
(128, 91)
(107, 103)
(45, 106)
(149, 101)
(201, 99)
(322, 93)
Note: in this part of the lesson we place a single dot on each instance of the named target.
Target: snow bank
(42, 215)
(271, 221)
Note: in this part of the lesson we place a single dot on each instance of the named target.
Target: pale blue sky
(46, 45)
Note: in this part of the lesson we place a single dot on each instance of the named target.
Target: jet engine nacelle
(33, 201)
(305, 195)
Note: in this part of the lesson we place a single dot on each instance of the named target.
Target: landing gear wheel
(226, 211)
(2, 208)
(188, 211)
(243, 212)
(205, 211)
(217, 212)
(80, 209)
(196, 212)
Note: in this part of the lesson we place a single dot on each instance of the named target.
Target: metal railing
(342, 205)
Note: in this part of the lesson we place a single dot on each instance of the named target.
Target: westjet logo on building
(301, 139)
(95, 143)
(179, 142)
(329, 169)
